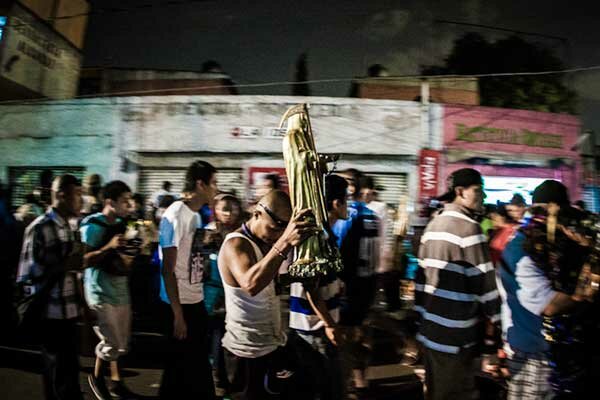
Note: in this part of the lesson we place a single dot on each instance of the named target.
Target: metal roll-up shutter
(394, 187)
(24, 180)
(591, 198)
(150, 180)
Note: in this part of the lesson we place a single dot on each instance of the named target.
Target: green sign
(523, 137)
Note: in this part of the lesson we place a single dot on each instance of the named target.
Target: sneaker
(118, 390)
(98, 386)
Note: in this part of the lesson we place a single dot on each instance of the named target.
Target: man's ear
(458, 191)
(200, 184)
(336, 204)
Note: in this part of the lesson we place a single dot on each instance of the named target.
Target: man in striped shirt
(455, 289)
(315, 313)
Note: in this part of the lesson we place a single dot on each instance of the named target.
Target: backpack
(361, 246)
(112, 262)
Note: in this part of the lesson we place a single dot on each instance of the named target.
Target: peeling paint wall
(114, 136)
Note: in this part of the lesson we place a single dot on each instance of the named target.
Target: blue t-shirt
(341, 227)
(214, 294)
(528, 293)
(358, 240)
(101, 287)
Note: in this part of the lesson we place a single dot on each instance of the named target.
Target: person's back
(522, 315)
(360, 255)
(455, 289)
(453, 280)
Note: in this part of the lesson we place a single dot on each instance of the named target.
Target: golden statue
(304, 169)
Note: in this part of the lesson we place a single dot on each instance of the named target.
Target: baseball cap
(464, 177)
(551, 191)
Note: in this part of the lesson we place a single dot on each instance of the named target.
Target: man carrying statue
(249, 261)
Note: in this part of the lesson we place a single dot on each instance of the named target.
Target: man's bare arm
(93, 257)
(318, 305)
(252, 276)
(249, 275)
(168, 273)
(320, 308)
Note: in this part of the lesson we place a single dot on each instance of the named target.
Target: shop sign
(255, 132)
(257, 174)
(429, 161)
(523, 137)
(38, 58)
(245, 132)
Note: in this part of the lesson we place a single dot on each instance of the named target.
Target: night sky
(260, 41)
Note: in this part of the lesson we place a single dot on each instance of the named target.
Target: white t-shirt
(380, 209)
(177, 228)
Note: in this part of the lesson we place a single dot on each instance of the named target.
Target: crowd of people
(509, 281)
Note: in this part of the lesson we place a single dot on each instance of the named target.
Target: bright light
(501, 188)
(2, 24)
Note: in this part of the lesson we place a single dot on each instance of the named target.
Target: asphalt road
(20, 368)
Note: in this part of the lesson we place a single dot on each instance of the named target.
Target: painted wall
(110, 135)
(516, 136)
(249, 124)
(70, 133)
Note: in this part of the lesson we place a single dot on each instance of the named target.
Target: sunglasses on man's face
(279, 222)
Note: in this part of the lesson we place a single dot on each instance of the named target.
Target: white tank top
(252, 324)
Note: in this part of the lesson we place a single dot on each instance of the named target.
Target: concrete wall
(117, 136)
(73, 133)
(461, 91)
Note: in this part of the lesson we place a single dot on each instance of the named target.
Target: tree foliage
(473, 54)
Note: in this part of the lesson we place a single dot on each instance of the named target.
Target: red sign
(256, 175)
(429, 162)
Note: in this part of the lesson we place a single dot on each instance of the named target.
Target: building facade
(40, 48)
(146, 140)
(514, 150)
(409, 147)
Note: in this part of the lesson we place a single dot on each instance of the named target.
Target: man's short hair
(367, 182)
(551, 191)
(355, 176)
(114, 189)
(198, 170)
(518, 200)
(63, 182)
(166, 200)
(138, 198)
(274, 179)
(335, 189)
(166, 186)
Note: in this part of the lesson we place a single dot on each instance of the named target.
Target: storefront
(147, 140)
(515, 150)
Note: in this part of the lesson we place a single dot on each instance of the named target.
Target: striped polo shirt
(456, 284)
(302, 316)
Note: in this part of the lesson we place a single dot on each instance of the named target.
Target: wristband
(279, 253)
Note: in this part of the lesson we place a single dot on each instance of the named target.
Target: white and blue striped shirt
(302, 317)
